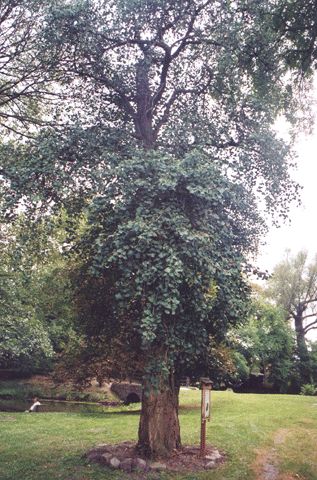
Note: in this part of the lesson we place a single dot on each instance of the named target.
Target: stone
(114, 462)
(191, 449)
(158, 466)
(140, 464)
(127, 465)
(105, 458)
(213, 456)
(210, 465)
(93, 456)
(101, 446)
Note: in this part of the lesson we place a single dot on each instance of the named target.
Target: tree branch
(183, 40)
(310, 326)
(159, 93)
(308, 316)
(167, 109)
(16, 132)
(307, 302)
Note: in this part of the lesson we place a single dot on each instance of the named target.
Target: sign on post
(205, 411)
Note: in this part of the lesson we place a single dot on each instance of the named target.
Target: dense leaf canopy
(167, 144)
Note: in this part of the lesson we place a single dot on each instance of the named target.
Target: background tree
(169, 141)
(35, 296)
(267, 343)
(313, 356)
(294, 288)
(24, 342)
(25, 74)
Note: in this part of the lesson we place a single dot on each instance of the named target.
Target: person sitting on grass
(35, 406)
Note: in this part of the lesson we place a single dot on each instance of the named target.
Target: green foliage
(174, 274)
(35, 304)
(296, 20)
(242, 368)
(267, 343)
(24, 343)
(157, 98)
(226, 367)
(167, 140)
(26, 390)
(313, 359)
(23, 338)
(308, 389)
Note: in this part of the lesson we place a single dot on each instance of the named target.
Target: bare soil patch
(280, 436)
(124, 456)
(290, 476)
(266, 463)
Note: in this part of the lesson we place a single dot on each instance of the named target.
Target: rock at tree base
(158, 466)
(126, 465)
(106, 457)
(213, 456)
(125, 457)
(94, 456)
(140, 464)
(114, 462)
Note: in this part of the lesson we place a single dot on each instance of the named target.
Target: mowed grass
(50, 446)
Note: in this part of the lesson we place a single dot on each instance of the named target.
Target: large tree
(169, 142)
(294, 287)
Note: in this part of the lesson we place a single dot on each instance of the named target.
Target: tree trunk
(143, 118)
(303, 354)
(159, 430)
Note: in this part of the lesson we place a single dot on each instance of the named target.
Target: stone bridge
(127, 392)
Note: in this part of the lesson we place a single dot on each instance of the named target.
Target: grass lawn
(251, 429)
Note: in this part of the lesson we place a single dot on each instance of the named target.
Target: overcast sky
(300, 231)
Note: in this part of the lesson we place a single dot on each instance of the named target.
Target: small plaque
(206, 404)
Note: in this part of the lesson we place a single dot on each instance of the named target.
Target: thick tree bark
(144, 115)
(159, 430)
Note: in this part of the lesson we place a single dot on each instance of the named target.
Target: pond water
(54, 406)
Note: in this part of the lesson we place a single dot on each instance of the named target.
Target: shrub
(308, 389)
(96, 397)
(77, 396)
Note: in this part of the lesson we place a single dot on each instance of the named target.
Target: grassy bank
(251, 429)
(44, 387)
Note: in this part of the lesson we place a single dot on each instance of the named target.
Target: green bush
(97, 397)
(308, 389)
(77, 396)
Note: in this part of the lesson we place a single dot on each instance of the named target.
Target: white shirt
(34, 406)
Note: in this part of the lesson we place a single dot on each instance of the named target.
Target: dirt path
(266, 464)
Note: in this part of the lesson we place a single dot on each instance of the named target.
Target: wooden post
(205, 412)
